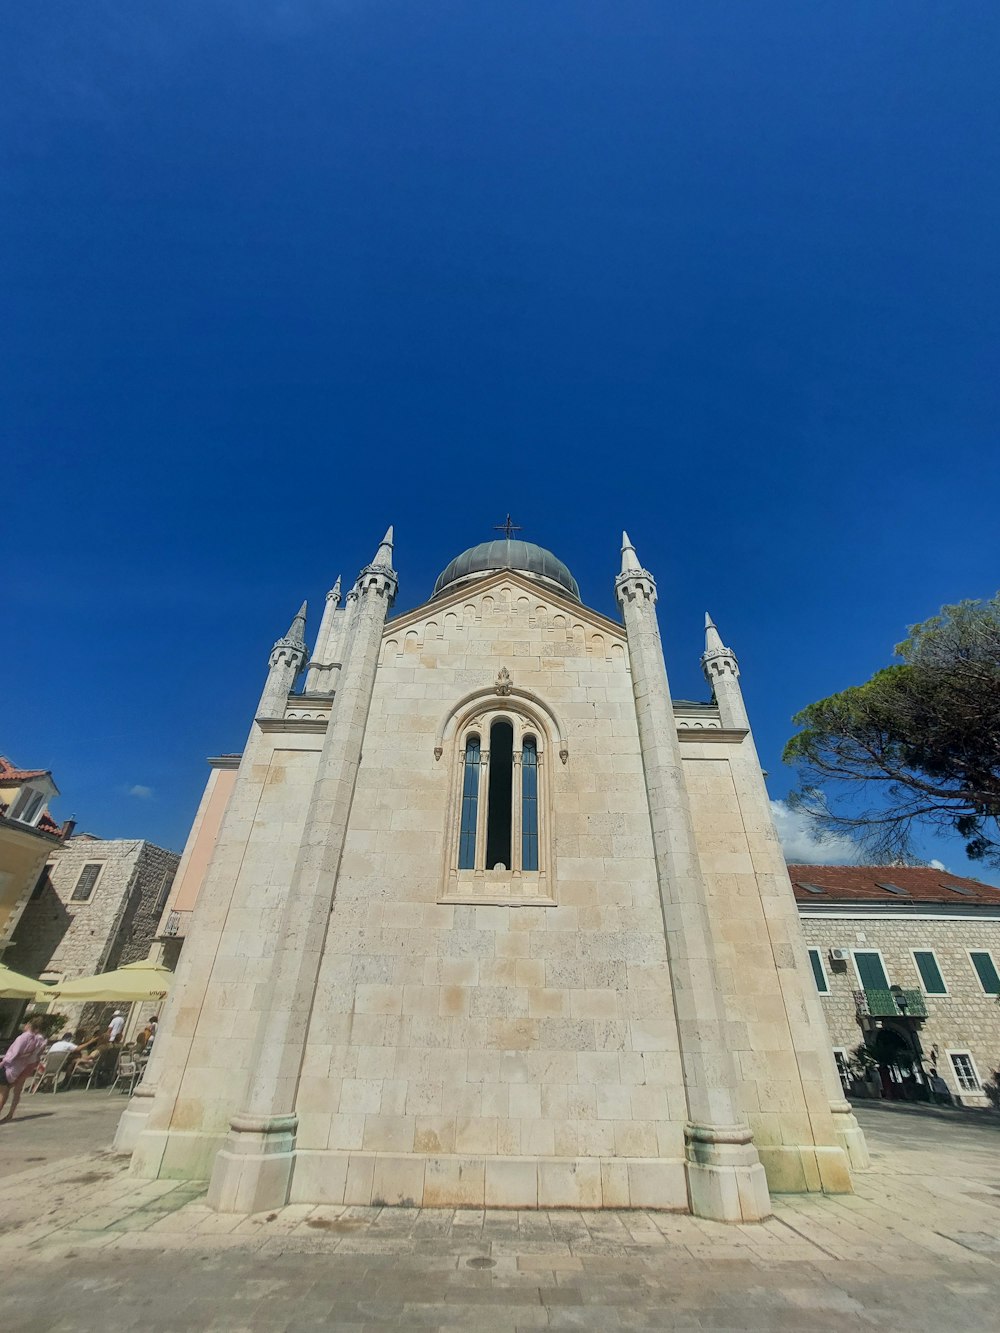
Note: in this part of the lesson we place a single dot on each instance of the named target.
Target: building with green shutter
(911, 952)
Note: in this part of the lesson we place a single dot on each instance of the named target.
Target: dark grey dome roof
(505, 554)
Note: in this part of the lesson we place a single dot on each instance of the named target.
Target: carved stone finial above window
(504, 682)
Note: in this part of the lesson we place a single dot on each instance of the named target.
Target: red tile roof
(860, 884)
(8, 773)
(48, 825)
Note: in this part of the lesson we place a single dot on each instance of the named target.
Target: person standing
(23, 1057)
(115, 1026)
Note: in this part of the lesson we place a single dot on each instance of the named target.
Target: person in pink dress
(22, 1058)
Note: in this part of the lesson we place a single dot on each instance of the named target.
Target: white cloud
(937, 865)
(803, 840)
(143, 793)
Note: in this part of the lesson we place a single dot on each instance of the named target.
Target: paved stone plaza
(88, 1247)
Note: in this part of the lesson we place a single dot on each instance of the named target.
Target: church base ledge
(133, 1120)
(851, 1136)
(729, 1193)
(171, 1154)
(455, 1181)
(253, 1169)
(806, 1169)
(726, 1181)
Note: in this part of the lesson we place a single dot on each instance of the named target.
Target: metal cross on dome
(507, 527)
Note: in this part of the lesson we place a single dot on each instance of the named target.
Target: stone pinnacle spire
(287, 658)
(297, 629)
(633, 581)
(718, 661)
(380, 574)
(334, 594)
(383, 556)
(630, 561)
(295, 640)
(713, 640)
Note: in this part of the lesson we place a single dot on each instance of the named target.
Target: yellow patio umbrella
(15, 986)
(144, 980)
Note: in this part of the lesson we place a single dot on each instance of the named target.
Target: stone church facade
(491, 921)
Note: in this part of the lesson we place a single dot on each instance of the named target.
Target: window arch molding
(499, 843)
(526, 702)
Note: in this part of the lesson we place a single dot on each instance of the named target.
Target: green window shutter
(818, 973)
(930, 973)
(988, 974)
(871, 971)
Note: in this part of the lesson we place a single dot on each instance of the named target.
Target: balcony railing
(890, 1004)
(173, 926)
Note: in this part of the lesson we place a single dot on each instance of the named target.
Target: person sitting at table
(99, 1047)
(74, 1043)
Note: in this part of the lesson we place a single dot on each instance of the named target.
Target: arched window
(470, 806)
(498, 819)
(500, 829)
(529, 804)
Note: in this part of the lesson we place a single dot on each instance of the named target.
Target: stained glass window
(529, 804)
(470, 806)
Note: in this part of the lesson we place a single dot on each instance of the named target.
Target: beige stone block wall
(785, 1086)
(203, 1054)
(965, 1019)
(495, 1032)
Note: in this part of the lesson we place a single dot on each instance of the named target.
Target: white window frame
(28, 807)
(949, 1052)
(841, 1050)
(512, 886)
(937, 962)
(82, 902)
(975, 970)
(857, 973)
(822, 967)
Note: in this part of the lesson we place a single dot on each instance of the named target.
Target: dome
(525, 557)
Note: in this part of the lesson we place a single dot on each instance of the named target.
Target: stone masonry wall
(116, 925)
(465, 1032)
(964, 1019)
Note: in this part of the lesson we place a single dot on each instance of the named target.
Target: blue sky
(276, 276)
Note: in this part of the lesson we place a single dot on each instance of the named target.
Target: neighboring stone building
(491, 919)
(911, 950)
(96, 906)
(28, 836)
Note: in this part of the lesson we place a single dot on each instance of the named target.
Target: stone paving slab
(86, 1247)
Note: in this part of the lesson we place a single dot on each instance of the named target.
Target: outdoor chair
(86, 1069)
(128, 1072)
(51, 1067)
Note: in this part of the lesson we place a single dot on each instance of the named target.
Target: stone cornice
(566, 605)
(292, 724)
(724, 735)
